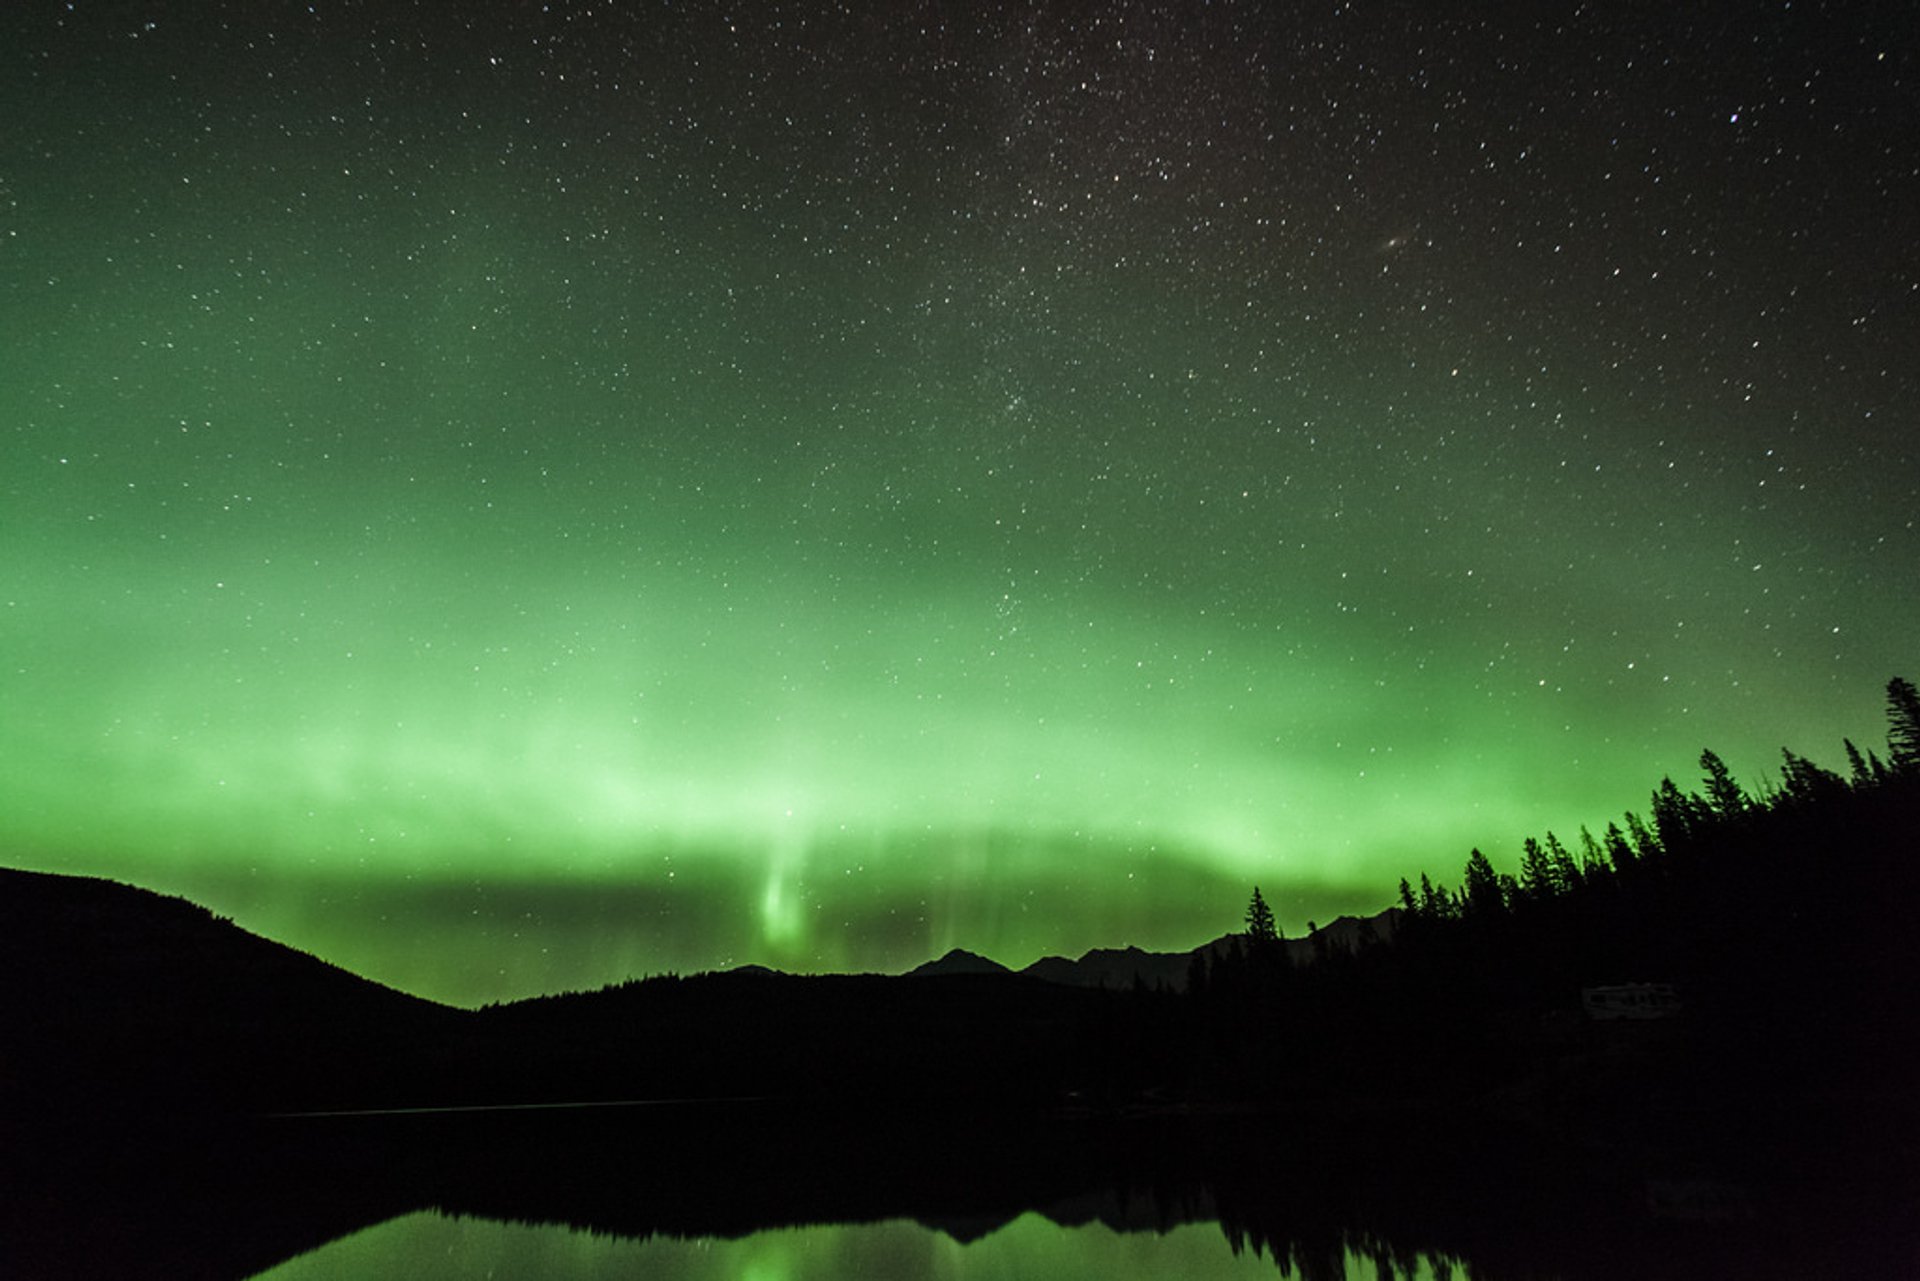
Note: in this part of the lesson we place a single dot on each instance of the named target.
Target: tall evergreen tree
(1724, 796)
(1261, 929)
(1861, 774)
(1484, 896)
(1619, 850)
(1677, 816)
(1646, 845)
(1536, 873)
(1593, 859)
(1804, 781)
(1903, 724)
(1566, 872)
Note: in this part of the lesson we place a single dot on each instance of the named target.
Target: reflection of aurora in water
(426, 1244)
(628, 490)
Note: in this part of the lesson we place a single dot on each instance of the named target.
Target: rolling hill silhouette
(112, 996)
(122, 1000)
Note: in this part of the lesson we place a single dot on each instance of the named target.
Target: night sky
(516, 498)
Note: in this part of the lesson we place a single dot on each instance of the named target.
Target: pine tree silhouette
(1260, 926)
(1903, 724)
(1484, 894)
(1723, 794)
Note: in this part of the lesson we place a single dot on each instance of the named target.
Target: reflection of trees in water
(1408, 1196)
(1335, 1260)
(1330, 1259)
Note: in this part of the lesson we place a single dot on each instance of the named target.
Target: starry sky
(513, 496)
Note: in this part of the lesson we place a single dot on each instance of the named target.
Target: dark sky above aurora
(514, 499)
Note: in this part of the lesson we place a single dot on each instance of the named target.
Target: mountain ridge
(119, 916)
(110, 990)
(1122, 967)
(119, 997)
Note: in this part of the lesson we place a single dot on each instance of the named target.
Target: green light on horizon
(967, 509)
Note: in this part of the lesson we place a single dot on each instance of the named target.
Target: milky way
(516, 500)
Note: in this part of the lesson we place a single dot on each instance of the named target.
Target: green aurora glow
(504, 536)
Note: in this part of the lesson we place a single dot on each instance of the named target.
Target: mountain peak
(960, 961)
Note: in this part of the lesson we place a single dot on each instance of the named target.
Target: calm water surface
(428, 1244)
(718, 1192)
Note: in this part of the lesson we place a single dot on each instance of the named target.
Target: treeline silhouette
(1779, 919)
(1773, 921)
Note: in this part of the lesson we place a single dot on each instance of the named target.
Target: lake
(780, 1192)
(449, 1248)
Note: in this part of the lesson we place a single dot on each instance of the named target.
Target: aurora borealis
(509, 496)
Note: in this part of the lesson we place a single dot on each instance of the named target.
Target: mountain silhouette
(1120, 968)
(959, 961)
(118, 998)
(114, 994)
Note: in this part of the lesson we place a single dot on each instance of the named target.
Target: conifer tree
(1593, 860)
(1619, 849)
(1536, 873)
(1433, 902)
(1646, 845)
(1724, 796)
(1804, 781)
(1903, 725)
(1261, 929)
(1484, 896)
(1861, 775)
(1566, 873)
(1677, 816)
